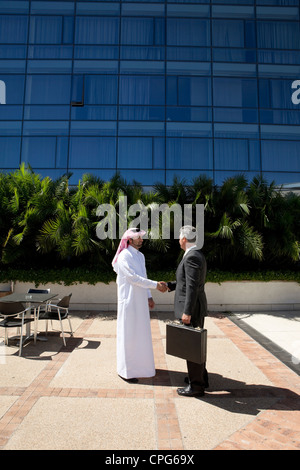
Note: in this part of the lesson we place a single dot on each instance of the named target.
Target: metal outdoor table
(28, 298)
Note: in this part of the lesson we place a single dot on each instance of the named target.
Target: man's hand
(186, 319)
(162, 286)
(151, 303)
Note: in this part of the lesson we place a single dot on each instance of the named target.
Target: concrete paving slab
(57, 397)
(86, 424)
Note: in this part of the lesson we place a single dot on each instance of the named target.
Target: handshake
(162, 286)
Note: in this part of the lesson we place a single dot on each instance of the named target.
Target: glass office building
(152, 88)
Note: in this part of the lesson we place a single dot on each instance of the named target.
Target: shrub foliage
(49, 225)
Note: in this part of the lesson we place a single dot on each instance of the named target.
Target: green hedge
(249, 226)
(67, 276)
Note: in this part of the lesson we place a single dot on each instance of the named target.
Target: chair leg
(62, 329)
(35, 325)
(70, 325)
(21, 335)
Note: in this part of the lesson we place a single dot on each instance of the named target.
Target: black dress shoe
(189, 392)
(186, 380)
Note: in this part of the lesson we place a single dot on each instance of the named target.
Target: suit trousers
(198, 376)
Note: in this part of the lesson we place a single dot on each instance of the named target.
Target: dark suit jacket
(190, 297)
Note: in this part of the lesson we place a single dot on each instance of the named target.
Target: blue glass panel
(100, 89)
(92, 152)
(48, 89)
(49, 66)
(46, 112)
(144, 67)
(189, 114)
(280, 132)
(277, 2)
(98, 8)
(254, 153)
(39, 152)
(228, 33)
(68, 30)
(189, 129)
(236, 130)
(14, 85)
(50, 52)
(142, 90)
(188, 68)
(12, 66)
(97, 30)
(278, 57)
(188, 53)
(142, 53)
(44, 7)
(235, 115)
(194, 91)
(135, 152)
(279, 117)
(185, 153)
(96, 52)
(12, 52)
(10, 152)
(19, 7)
(234, 55)
(278, 35)
(280, 156)
(45, 30)
(62, 148)
(231, 154)
(95, 66)
(232, 69)
(188, 32)
(94, 113)
(172, 91)
(232, 11)
(158, 153)
(10, 127)
(13, 112)
(194, 11)
(289, 13)
(45, 128)
(275, 94)
(150, 9)
(141, 113)
(137, 31)
(13, 29)
(280, 71)
(241, 92)
(141, 128)
(93, 128)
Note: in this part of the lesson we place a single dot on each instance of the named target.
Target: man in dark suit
(190, 303)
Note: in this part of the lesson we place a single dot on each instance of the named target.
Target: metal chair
(60, 313)
(14, 316)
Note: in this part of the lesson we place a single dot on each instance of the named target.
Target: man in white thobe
(134, 341)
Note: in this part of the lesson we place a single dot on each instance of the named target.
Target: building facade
(151, 88)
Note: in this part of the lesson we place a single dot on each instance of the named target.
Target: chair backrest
(65, 301)
(11, 308)
(38, 291)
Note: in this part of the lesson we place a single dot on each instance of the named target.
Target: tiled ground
(57, 397)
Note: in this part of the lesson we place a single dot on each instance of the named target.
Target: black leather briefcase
(186, 342)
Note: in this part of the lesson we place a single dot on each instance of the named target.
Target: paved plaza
(56, 397)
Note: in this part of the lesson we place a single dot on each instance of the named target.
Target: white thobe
(134, 341)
